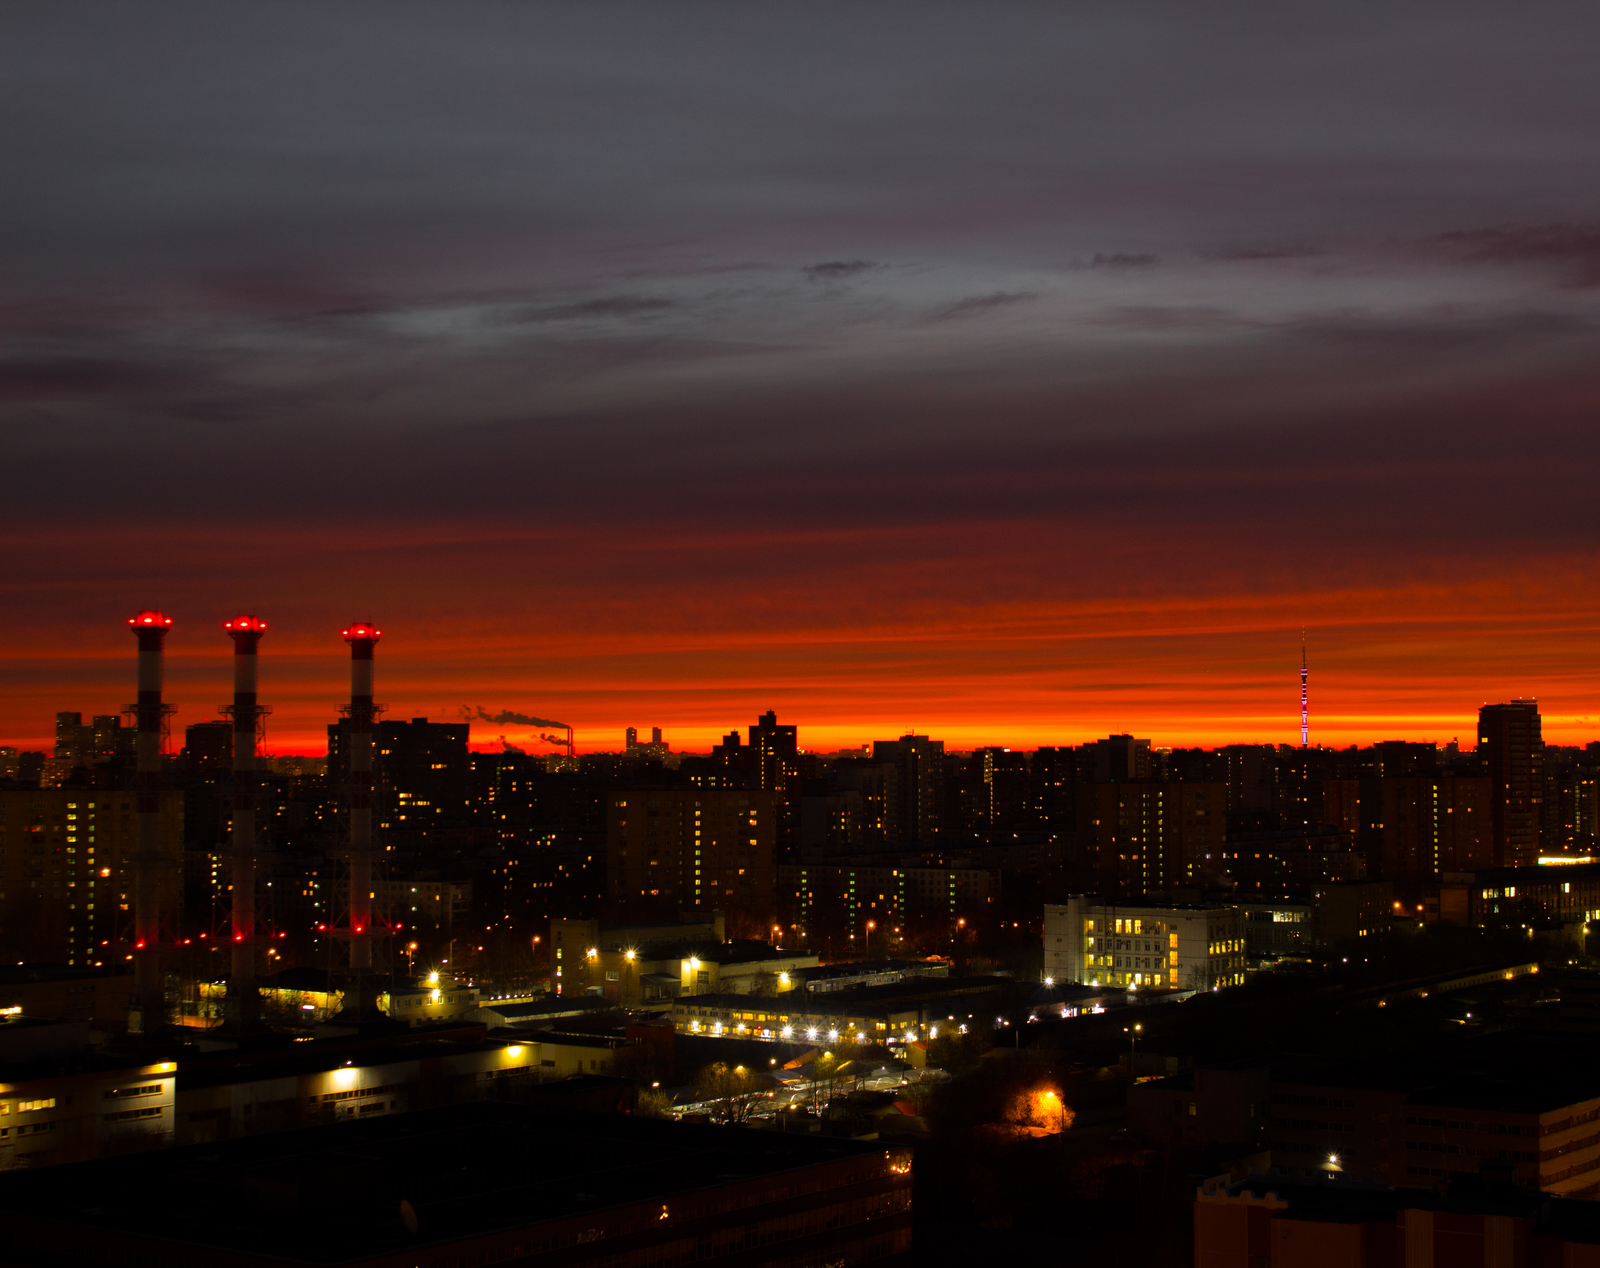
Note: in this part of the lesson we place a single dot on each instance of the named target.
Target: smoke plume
(506, 717)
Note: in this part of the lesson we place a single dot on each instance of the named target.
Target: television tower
(1305, 716)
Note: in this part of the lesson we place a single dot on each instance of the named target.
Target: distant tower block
(363, 639)
(243, 997)
(149, 997)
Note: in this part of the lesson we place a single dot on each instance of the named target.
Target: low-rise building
(483, 1184)
(71, 1108)
(56, 1109)
(742, 968)
(69, 992)
(433, 1001)
(1428, 1120)
(587, 958)
(1222, 1104)
(1143, 944)
(1278, 930)
(1279, 1219)
(917, 1009)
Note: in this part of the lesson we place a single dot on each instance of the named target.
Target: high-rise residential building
(1571, 802)
(655, 750)
(1120, 758)
(80, 743)
(208, 748)
(1511, 748)
(421, 773)
(66, 871)
(694, 850)
(919, 762)
(1436, 823)
(1144, 836)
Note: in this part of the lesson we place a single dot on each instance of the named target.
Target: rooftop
(465, 1170)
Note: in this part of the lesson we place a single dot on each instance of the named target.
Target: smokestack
(363, 639)
(244, 998)
(150, 628)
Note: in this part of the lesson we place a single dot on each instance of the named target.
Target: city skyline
(305, 732)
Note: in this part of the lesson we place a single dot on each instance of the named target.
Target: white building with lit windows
(1143, 944)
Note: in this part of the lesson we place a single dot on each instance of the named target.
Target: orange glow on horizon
(976, 636)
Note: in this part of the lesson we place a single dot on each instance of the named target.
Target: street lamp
(1061, 1112)
(1133, 1035)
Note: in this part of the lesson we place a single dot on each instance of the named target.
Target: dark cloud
(598, 309)
(838, 270)
(979, 304)
(286, 294)
(1172, 317)
(1122, 260)
(37, 380)
(1247, 253)
(1575, 245)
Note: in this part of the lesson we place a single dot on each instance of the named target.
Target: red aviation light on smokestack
(245, 624)
(361, 632)
(149, 620)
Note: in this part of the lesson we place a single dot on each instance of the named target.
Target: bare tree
(735, 1091)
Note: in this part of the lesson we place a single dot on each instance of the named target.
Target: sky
(1010, 373)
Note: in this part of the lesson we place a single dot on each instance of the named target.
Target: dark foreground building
(1310, 1219)
(470, 1185)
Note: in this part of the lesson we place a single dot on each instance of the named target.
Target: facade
(1427, 1125)
(1277, 1219)
(905, 1010)
(66, 871)
(67, 1109)
(583, 955)
(67, 993)
(1514, 896)
(693, 849)
(838, 903)
(919, 783)
(1436, 823)
(75, 1108)
(421, 773)
(1276, 931)
(1144, 836)
(1511, 747)
(1148, 945)
(1209, 1105)
(442, 904)
(742, 969)
(1277, 862)
(1352, 912)
(472, 1185)
(435, 1001)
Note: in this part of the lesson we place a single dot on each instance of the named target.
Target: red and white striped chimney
(150, 628)
(363, 639)
(243, 996)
